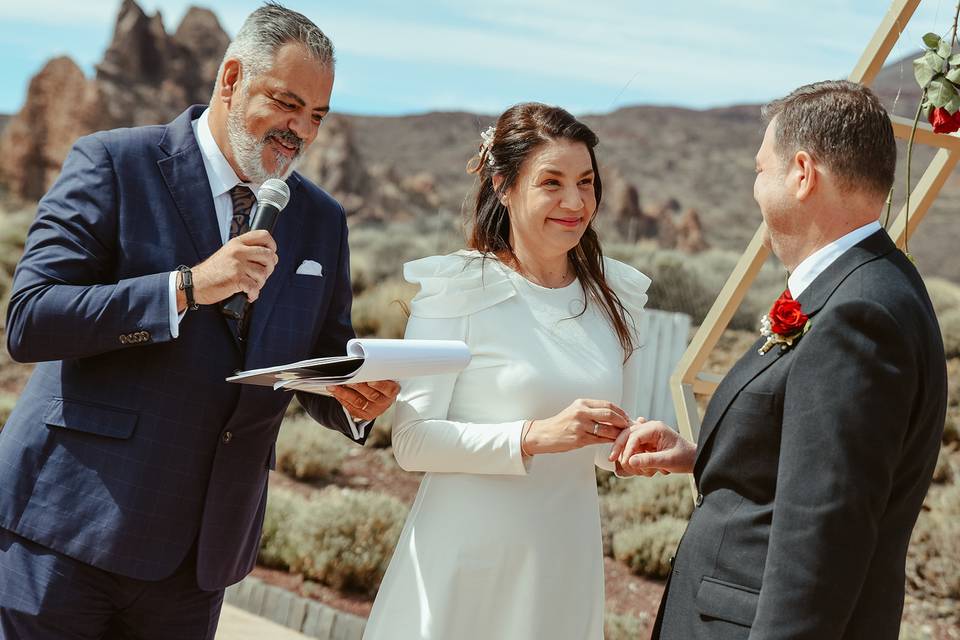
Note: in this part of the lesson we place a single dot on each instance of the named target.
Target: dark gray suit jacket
(812, 466)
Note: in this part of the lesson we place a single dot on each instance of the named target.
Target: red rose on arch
(943, 121)
(786, 317)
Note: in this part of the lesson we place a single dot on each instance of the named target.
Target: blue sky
(590, 56)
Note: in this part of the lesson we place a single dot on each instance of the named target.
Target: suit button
(672, 558)
(699, 499)
(227, 437)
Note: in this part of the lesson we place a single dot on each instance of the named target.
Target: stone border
(309, 617)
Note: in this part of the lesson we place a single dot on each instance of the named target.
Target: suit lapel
(186, 178)
(184, 173)
(743, 372)
(812, 300)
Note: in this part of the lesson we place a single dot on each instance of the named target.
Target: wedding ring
(596, 427)
(366, 403)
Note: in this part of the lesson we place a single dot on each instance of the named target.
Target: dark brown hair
(519, 131)
(841, 124)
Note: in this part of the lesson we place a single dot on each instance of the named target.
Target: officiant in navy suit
(132, 477)
(817, 449)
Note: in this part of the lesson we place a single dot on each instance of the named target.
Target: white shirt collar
(221, 175)
(817, 262)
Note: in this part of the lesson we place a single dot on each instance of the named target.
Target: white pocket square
(310, 268)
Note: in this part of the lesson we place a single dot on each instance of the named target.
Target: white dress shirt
(222, 178)
(817, 262)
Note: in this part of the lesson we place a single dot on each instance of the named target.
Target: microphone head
(274, 191)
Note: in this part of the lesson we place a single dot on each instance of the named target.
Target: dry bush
(307, 450)
(629, 502)
(950, 328)
(381, 310)
(623, 626)
(378, 252)
(944, 471)
(7, 402)
(944, 294)
(690, 283)
(381, 436)
(646, 548)
(910, 631)
(339, 537)
(933, 559)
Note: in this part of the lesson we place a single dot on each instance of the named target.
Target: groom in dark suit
(132, 477)
(818, 447)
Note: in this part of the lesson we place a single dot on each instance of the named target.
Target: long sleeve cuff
(357, 427)
(175, 317)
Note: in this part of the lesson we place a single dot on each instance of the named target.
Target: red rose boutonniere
(784, 325)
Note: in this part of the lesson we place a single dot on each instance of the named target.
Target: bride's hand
(583, 423)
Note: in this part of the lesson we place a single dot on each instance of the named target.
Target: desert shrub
(341, 537)
(13, 234)
(380, 310)
(690, 283)
(910, 631)
(943, 472)
(646, 548)
(307, 450)
(944, 294)
(623, 626)
(934, 553)
(7, 402)
(382, 435)
(379, 252)
(283, 507)
(630, 501)
(950, 328)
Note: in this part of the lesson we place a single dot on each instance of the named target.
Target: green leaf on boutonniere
(923, 72)
(935, 62)
(954, 76)
(944, 49)
(954, 105)
(926, 109)
(954, 59)
(932, 40)
(940, 92)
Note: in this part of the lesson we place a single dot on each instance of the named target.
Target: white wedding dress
(495, 548)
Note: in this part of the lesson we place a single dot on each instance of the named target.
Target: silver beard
(248, 150)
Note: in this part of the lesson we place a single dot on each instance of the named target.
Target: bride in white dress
(503, 540)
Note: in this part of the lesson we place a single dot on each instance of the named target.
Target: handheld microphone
(272, 197)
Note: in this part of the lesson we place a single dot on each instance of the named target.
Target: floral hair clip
(485, 147)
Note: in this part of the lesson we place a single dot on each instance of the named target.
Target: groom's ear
(803, 175)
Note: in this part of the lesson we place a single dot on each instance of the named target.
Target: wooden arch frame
(689, 380)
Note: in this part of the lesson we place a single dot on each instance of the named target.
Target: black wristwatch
(186, 285)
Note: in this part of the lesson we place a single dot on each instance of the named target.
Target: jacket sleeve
(336, 331)
(425, 439)
(838, 455)
(65, 300)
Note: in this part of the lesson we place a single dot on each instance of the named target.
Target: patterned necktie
(243, 200)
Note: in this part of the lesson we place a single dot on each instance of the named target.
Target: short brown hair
(841, 124)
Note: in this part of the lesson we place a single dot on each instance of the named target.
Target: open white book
(367, 360)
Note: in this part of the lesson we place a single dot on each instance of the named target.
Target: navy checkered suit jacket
(127, 445)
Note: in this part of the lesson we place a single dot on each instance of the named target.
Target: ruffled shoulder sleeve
(457, 285)
(629, 284)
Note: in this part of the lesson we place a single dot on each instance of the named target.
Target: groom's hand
(366, 400)
(645, 448)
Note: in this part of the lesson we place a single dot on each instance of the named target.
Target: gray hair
(265, 31)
